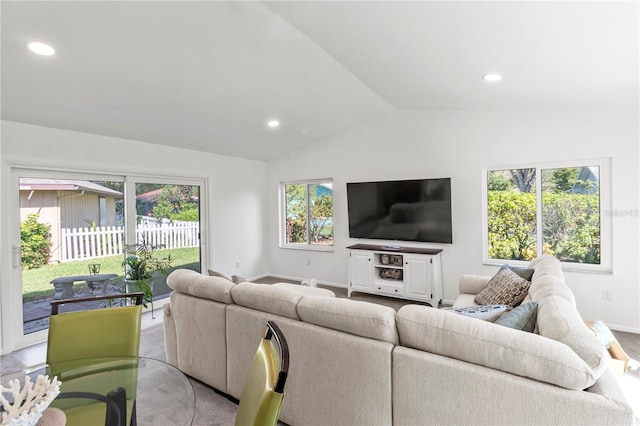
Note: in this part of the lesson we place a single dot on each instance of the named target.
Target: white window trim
(283, 215)
(606, 243)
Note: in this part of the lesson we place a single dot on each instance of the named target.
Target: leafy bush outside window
(35, 242)
(565, 202)
(308, 213)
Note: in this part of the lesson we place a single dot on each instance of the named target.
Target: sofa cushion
(559, 320)
(199, 285)
(504, 288)
(551, 286)
(482, 312)
(213, 273)
(267, 298)
(465, 300)
(548, 279)
(484, 343)
(305, 291)
(354, 317)
(522, 317)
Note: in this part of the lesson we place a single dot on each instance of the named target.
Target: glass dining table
(160, 393)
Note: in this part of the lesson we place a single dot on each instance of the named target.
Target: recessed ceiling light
(273, 124)
(492, 77)
(41, 48)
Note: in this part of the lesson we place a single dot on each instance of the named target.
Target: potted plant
(140, 264)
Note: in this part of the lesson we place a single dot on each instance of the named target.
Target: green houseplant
(140, 264)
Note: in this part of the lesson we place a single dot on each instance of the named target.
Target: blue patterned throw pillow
(484, 312)
(521, 318)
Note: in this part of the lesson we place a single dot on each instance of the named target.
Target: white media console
(403, 272)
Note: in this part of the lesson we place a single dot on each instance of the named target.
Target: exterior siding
(65, 209)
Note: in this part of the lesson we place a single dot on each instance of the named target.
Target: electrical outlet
(237, 263)
(607, 294)
(308, 262)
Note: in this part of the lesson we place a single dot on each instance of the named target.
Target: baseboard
(624, 328)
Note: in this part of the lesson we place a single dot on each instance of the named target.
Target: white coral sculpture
(27, 404)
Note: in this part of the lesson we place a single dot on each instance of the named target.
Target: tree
(524, 179)
(498, 180)
(296, 211)
(321, 215)
(320, 212)
(177, 202)
(559, 180)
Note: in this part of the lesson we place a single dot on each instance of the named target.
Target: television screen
(405, 210)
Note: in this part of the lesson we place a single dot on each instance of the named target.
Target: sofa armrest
(472, 284)
(170, 341)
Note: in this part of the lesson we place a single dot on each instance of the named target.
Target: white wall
(2, 264)
(236, 187)
(422, 144)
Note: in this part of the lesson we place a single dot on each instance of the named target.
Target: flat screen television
(404, 210)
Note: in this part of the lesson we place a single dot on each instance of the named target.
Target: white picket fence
(91, 243)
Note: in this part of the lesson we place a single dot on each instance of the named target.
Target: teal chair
(94, 354)
(263, 390)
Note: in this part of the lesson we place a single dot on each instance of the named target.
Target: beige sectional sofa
(358, 363)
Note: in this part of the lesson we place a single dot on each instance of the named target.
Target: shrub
(296, 231)
(35, 238)
(187, 215)
(512, 225)
(571, 226)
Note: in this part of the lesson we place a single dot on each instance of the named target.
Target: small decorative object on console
(26, 405)
(395, 260)
(391, 274)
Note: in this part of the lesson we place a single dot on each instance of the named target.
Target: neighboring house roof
(39, 184)
(149, 197)
(152, 196)
(586, 174)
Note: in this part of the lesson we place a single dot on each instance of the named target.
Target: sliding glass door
(72, 233)
(167, 217)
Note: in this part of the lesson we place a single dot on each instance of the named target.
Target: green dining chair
(80, 340)
(263, 390)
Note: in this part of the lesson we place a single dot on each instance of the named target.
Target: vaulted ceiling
(208, 76)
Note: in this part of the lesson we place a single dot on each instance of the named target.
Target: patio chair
(263, 390)
(76, 340)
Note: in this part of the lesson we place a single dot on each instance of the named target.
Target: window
(308, 214)
(549, 209)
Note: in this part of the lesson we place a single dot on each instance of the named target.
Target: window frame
(604, 165)
(283, 216)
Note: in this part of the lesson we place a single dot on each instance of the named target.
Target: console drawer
(388, 289)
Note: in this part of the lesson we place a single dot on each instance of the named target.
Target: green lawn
(36, 282)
